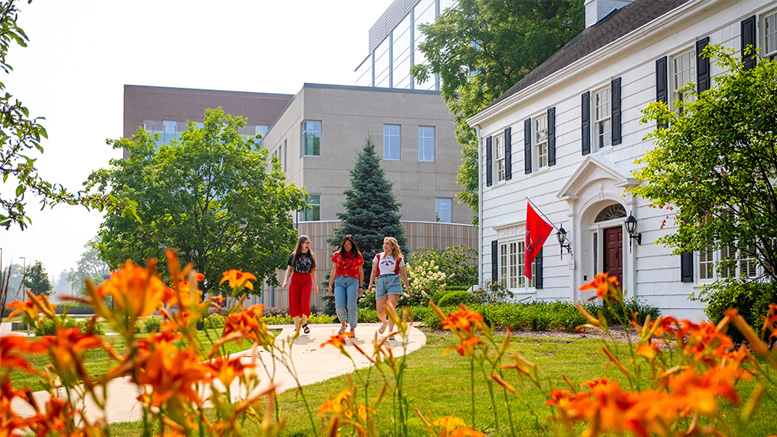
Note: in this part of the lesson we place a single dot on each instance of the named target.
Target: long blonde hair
(395, 251)
(298, 251)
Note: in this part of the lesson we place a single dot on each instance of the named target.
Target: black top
(304, 262)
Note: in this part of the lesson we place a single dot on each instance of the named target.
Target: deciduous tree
(213, 196)
(480, 48)
(89, 266)
(714, 167)
(37, 280)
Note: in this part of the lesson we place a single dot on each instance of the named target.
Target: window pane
(426, 143)
(312, 138)
(313, 212)
(443, 207)
(169, 132)
(391, 142)
(261, 130)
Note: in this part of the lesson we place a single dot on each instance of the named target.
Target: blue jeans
(346, 295)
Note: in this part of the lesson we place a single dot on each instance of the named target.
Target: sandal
(391, 338)
(306, 328)
(353, 332)
(382, 328)
(341, 330)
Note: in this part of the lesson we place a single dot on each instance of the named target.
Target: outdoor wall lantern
(561, 236)
(631, 227)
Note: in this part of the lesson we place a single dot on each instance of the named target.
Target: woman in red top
(347, 276)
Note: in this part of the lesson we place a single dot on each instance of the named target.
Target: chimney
(595, 10)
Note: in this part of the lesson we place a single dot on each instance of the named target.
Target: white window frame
(388, 152)
(499, 158)
(769, 34)
(601, 109)
(443, 209)
(710, 268)
(424, 142)
(682, 70)
(511, 258)
(540, 139)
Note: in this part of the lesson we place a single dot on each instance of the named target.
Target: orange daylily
(606, 287)
(249, 323)
(172, 374)
(338, 340)
(462, 320)
(33, 307)
(238, 279)
(226, 370)
(467, 346)
(135, 290)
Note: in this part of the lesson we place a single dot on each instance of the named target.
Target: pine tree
(371, 209)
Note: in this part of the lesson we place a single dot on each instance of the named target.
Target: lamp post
(631, 227)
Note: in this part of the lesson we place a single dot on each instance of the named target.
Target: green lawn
(440, 385)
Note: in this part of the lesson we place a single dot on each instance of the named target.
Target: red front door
(613, 252)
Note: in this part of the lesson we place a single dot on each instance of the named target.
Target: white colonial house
(567, 136)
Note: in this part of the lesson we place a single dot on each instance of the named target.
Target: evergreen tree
(371, 210)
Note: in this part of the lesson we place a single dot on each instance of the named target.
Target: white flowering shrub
(425, 280)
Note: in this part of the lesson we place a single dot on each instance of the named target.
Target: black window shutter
(615, 94)
(702, 66)
(494, 261)
(538, 270)
(585, 122)
(662, 87)
(552, 136)
(748, 39)
(489, 162)
(508, 154)
(686, 266)
(527, 146)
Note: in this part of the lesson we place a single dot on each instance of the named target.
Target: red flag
(537, 231)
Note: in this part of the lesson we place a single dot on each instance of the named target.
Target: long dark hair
(354, 248)
(298, 251)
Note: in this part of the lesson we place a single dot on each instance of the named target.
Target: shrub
(454, 298)
(214, 321)
(751, 299)
(151, 324)
(458, 263)
(493, 292)
(425, 279)
(367, 301)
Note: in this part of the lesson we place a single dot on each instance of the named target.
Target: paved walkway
(312, 362)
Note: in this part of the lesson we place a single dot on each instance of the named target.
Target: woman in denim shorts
(388, 267)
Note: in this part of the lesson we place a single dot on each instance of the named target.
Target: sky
(81, 53)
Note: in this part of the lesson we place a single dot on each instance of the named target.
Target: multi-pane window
(426, 143)
(723, 263)
(683, 72)
(770, 35)
(443, 209)
(311, 138)
(602, 121)
(541, 140)
(511, 260)
(313, 211)
(169, 133)
(499, 157)
(391, 142)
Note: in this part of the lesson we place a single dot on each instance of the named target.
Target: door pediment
(592, 169)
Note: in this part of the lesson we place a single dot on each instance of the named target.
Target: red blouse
(348, 265)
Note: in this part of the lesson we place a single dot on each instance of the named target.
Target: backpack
(396, 266)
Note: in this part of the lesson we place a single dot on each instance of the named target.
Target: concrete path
(312, 362)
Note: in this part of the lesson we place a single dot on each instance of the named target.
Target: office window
(541, 140)
(683, 71)
(261, 130)
(499, 157)
(169, 131)
(511, 260)
(444, 209)
(426, 143)
(391, 142)
(770, 35)
(602, 114)
(313, 211)
(311, 138)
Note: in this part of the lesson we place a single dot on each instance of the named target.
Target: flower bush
(675, 373)
(425, 279)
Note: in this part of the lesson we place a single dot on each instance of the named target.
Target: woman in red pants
(302, 269)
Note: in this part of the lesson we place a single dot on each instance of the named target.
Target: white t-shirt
(387, 264)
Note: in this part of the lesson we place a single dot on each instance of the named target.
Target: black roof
(610, 28)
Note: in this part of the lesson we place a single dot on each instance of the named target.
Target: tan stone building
(318, 136)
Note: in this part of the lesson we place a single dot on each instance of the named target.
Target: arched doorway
(611, 250)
